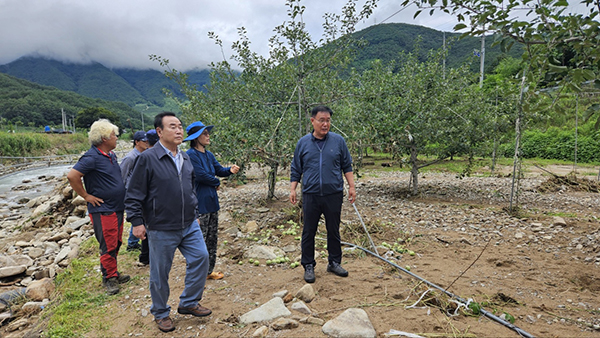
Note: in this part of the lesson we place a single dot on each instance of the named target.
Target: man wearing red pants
(104, 193)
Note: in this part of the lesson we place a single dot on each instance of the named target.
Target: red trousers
(108, 229)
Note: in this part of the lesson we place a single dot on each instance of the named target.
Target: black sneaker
(309, 273)
(111, 285)
(134, 247)
(337, 269)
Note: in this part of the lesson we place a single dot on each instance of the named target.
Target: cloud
(121, 33)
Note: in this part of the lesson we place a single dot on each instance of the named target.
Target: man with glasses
(322, 159)
(160, 203)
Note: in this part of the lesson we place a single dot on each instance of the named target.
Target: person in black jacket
(161, 203)
(322, 159)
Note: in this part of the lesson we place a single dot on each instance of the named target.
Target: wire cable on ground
(451, 295)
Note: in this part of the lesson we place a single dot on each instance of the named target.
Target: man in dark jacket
(140, 144)
(322, 159)
(161, 203)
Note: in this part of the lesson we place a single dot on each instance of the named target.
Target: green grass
(80, 298)
(562, 214)
(39, 144)
(480, 167)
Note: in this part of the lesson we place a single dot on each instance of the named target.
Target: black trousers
(313, 207)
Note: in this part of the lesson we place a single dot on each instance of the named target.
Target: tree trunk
(495, 149)
(272, 181)
(414, 171)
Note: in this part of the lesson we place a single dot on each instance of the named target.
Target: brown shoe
(215, 275)
(198, 311)
(165, 324)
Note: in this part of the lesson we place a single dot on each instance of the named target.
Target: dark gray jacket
(321, 169)
(158, 196)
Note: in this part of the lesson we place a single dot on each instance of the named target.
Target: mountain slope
(30, 104)
(131, 86)
(387, 41)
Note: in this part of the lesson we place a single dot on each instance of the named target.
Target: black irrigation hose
(482, 311)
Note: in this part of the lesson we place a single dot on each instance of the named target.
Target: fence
(10, 164)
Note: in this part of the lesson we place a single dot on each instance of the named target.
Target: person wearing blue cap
(152, 137)
(140, 143)
(207, 168)
(144, 257)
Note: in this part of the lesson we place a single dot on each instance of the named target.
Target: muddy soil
(455, 234)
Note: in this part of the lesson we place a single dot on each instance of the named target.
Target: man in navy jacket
(322, 159)
(161, 203)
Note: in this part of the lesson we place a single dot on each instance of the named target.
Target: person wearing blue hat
(207, 168)
(152, 137)
(140, 143)
(144, 257)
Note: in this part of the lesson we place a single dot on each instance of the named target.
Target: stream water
(28, 184)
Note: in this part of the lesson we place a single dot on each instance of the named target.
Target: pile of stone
(38, 240)
(353, 322)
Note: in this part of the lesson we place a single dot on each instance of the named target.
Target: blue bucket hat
(195, 129)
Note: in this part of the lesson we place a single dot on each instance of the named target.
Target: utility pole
(64, 119)
(482, 60)
(444, 60)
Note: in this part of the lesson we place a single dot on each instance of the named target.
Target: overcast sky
(122, 33)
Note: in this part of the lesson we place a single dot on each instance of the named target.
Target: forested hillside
(30, 104)
(387, 41)
(131, 86)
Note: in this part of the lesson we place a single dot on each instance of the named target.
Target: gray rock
(312, 320)
(251, 226)
(62, 254)
(22, 244)
(306, 293)
(351, 323)
(71, 219)
(75, 225)
(284, 324)
(58, 237)
(263, 252)
(559, 221)
(8, 271)
(268, 311)
(301, 307)
(77, 201)
(261, 332)
(35, 253)
(30, 308)
(40, 289)
(281, 293)
(67, 191)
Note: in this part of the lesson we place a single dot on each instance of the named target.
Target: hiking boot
(123, 278)
(309, 273)
(111, 285)
(337, 269)
(165, 324)
(197, 311)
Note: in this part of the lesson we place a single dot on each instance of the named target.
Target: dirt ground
(456, 234)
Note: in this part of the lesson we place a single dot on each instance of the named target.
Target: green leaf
(475, 307)
(460, 26)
